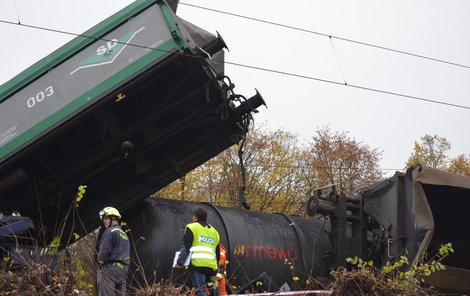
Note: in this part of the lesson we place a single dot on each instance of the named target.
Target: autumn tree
(430, 152)
(280, 174)
(206, 183)
(273, 172)
(460, 165)
(336, 158)
(271, 162)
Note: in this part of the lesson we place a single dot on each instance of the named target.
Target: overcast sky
(436, 29)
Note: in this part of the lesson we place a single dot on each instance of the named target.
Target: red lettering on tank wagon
(262, 252)
(271, 253)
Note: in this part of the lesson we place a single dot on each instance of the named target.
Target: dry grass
(371, 282)
(42, 280)
(37, 280)
(163, 288)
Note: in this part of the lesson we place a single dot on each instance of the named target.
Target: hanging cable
(17, 12)
(241, 192)
(337, 60)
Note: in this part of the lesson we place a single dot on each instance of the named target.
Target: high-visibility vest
(205, 241)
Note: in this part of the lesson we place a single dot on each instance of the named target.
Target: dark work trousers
(112, 279)
(200, 280)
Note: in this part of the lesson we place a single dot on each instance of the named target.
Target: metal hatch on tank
(125, 108)
(257, 243)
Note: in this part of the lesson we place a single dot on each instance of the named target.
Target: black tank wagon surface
(412, 213)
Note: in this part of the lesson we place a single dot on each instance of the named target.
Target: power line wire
(79, 35)
(328, 35)
(297, 166)
(350, 85)
(252, 67)
(318, 167)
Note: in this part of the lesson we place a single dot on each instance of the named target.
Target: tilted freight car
(124, 108)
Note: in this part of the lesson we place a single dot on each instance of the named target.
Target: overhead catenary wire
(300, 166)
(254, 67)
(330, 36)
(350, 85)
(327, 35)
(287, 73)
(79, 35)
(262, 69)
(457, 170)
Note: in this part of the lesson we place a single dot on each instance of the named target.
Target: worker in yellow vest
(201, 242)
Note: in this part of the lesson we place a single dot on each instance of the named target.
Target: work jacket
(114, 246)
(203, 248)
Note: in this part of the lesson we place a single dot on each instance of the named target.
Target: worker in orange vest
(222, 271)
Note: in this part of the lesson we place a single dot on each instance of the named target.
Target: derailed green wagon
(125, 108)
